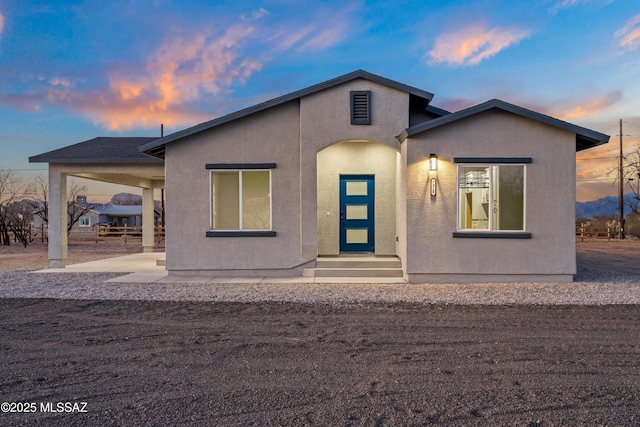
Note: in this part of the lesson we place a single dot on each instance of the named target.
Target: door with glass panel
(356, 213)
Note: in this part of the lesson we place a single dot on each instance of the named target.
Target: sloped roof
(117, 210)
(585, 138)
(100, 150)
(156, 148)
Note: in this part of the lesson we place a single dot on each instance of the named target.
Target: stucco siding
(325, 121)
(271, 136)
(434, 254)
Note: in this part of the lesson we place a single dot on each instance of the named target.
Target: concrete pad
(221, 279)
(185, 279)
(135, 263)
(377, 280)
(288, 280)
(139, 278)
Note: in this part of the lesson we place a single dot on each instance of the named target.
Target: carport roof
(100, 150)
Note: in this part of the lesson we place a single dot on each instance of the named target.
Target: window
(84, 221)
(491, 197)
(360, 107)
(240, 200)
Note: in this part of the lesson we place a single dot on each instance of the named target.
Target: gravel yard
(78, 351)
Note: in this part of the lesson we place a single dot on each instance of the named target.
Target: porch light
(433, 162)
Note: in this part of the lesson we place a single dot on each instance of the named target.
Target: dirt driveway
(137, 363)
(193, 364)
(616, 255)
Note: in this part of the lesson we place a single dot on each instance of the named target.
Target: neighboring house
(106, 214)
(361, 164)
(120, 215)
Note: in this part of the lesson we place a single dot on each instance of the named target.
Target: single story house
(364, 165)
(105, 213)
(116, 215)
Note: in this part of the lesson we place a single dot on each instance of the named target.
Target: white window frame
(240, 172)
(491, 198)
(84, 219)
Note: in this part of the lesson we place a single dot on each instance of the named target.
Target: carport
(114, 160)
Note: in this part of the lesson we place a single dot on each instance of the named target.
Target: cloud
(589, 107)
(189, 73)
(564, 4)
(328, 28)
(629, 35)
(471, 45)
(181, 71)
(1, 23)
(456, 104)
(185, 69)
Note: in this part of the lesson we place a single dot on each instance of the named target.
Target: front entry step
(356, 267)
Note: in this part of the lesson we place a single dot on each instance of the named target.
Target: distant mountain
(605, 206)
(126, 199)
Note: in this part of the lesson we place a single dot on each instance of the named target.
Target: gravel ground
(591, 287)
(530, 354)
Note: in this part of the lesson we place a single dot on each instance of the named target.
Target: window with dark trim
(240, 199)
(491, 197)
(360, 107)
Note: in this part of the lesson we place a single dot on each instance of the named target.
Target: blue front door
(356, 213)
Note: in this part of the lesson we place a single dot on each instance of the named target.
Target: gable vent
(361, 107)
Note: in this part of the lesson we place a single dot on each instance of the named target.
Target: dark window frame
(212, 167)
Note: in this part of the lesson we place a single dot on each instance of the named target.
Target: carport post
(57, 217)
(148, 223)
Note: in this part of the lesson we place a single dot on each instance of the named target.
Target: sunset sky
(74, 70)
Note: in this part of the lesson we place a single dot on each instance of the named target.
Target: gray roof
(585, 138)
(117, 210)
(156, 148)
(100, 150)
(437, 111)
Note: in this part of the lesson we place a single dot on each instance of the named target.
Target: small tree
(20, 217)
(631, 178)
(74, 210)
(12, 190)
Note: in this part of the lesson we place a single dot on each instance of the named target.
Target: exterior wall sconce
(433, 162)
(433, 167)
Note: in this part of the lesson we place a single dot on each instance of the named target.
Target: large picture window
(241, 200)
(491, 197)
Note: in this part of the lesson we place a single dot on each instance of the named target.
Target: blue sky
(73, 70)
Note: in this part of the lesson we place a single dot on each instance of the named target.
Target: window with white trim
(84, 221)
(491, 197)
(240, 200)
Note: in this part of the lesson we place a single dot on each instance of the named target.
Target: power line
(596, 179)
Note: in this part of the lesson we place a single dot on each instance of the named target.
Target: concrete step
(356, 272)
(358, 262)
(354, 266)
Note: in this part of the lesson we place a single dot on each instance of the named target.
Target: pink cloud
(629, 35)
(473, 44)
(185, 68)
(181, 71)
(589, 107)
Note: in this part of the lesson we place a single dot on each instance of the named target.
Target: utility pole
(162, 189)
(620, 189)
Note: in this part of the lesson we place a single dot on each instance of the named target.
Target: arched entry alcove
(359, 163)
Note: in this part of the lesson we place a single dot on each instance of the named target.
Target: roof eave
(84, 160)
(156, 148)
(587, 137)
